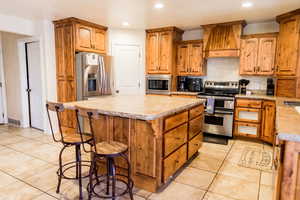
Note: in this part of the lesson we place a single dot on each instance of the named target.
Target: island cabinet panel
(194, 145)
(194, 112)
(247, 103)
(175, 138)
(175, 120)
(173, 162)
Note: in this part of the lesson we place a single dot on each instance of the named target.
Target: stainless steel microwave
(158, 84)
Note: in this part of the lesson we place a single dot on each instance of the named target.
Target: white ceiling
(141, 13)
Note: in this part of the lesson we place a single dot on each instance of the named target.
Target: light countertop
(142, 107)
(184, 93)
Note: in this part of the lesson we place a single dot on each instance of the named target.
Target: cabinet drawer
(195, 144)
(248, 115)
(195, 126)
(194, 112)
(174, 162)
(175, 120)
(247, 129)
(175, 138)
(248, 103)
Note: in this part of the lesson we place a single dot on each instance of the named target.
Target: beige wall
(12, 75)
(227, 69)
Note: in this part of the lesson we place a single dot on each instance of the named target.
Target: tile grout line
(44, 192)
(218, 171)
(258, 194)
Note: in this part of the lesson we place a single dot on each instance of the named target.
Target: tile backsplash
(227, 69)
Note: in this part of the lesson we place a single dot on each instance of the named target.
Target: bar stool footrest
(70, 165)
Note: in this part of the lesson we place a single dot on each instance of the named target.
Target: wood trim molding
(190, 41)
(287, 15)
(242, 22)
(73, 20)
(169, 28)
(260, 35)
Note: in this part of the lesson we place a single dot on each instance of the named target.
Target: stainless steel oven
(220, 121)
(158, 84)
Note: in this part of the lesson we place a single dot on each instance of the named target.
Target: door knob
(117, 91)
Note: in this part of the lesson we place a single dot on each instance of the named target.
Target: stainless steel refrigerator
(93, 75)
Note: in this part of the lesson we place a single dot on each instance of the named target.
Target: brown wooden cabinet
(161, 49)
(288, 55)
(90, 39)
(190, 58)
(255, 119)
(71, 35)
(258, 54)
(268, 121)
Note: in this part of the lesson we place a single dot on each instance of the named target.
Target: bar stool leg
(108, 175)
(60, 169)
(78, 169)
(113, 174)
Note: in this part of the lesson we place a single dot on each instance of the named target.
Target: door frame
(23, 80)
(2, 80)
(141, 66)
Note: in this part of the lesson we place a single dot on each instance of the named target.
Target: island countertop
(142, 107)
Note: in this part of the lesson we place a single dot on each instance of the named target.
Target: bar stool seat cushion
(110, 148)
(75, 138)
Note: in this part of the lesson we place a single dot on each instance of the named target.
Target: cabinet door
(84, 38)
(266, 56)
(182, 59)
(152, 52)
(99, 40)
(165, 52)
(268, 121)
(249, 53)
(287, 48)
(196, 59)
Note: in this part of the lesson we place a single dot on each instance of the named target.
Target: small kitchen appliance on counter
(270, 87)
(158, 84)
(243, 85)
(194, 84)
(182, 83)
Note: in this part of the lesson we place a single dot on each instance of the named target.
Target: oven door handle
(219, 113)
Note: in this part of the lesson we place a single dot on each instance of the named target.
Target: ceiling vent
(222, 40)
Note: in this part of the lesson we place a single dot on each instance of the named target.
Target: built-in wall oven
(158, 84)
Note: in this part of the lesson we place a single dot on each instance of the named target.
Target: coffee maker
(270, 87)
(243, 85)
(181, 83)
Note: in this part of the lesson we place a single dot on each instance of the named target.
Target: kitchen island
(162, 133)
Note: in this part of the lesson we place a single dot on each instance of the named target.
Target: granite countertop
(256, 96)
(185, 93)
(287, 120)
(142, 107)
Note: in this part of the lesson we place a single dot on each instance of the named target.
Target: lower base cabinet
(255, 119)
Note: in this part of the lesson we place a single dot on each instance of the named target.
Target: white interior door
(127, 69)
(35, 85)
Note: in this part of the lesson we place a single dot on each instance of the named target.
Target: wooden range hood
(222, 40)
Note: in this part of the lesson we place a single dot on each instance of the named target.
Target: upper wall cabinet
(288, 51)
(288, 55)
(222, 40)
(190, 60)
(91, 39)
(161, 49)
(258, 54)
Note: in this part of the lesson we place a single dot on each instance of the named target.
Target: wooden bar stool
(68, 140)
(106, 150)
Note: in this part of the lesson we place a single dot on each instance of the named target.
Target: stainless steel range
(219, 108)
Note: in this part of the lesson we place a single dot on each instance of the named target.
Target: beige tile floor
(28, 164)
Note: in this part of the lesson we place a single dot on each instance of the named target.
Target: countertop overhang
(142, 107)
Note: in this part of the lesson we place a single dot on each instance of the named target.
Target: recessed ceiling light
(159, 5)
(125, 24)
(247, 4)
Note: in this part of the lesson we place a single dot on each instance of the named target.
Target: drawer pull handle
(177, 138)
(176, 161)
